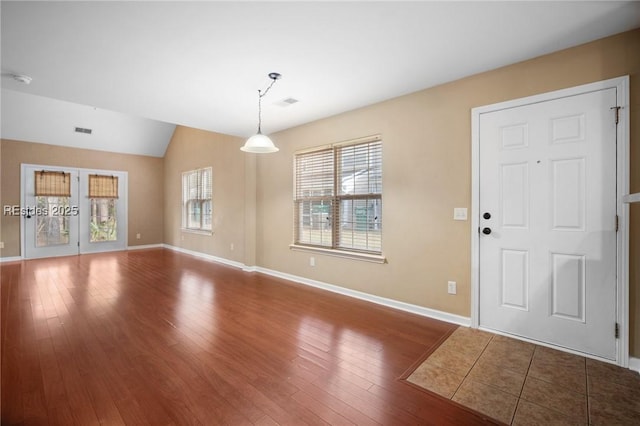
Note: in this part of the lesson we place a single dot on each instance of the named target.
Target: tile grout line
(526, 375)
(471, 368)
(586, 384)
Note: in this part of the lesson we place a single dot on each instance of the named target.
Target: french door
(68, 211)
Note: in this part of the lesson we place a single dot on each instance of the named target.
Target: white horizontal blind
(360, 197)
(196, 184)
(314, 190)
(338, 197)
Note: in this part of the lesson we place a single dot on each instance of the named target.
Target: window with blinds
(338, 197)
(197, 199)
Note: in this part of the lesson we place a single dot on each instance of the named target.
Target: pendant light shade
(259, 143)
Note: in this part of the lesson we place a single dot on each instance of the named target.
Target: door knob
(486, 231)
(487, 215)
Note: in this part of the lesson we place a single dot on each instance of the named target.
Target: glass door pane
(52, 221)
(103, 223)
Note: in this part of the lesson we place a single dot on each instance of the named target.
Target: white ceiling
(200, 64)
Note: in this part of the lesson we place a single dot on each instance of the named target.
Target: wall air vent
(83, 130)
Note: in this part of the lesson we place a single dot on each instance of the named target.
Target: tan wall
(427, 172)
(191, 149)
(145, 202)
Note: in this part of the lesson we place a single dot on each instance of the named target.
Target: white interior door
(547, 200)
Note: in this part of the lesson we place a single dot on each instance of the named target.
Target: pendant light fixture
(259, 143)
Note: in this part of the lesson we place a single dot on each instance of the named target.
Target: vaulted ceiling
(132, 70)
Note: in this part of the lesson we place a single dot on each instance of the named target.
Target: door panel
(50, 222)
(104, 226)
(515, 279)
(548, 179)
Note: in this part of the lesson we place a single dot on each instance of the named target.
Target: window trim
(335, 199)
(185, 202)
(354, 255)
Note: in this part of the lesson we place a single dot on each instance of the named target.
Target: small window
(197, 206)
(338, 197)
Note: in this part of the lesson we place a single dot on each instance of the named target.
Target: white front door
(77, 222)
(547, 206)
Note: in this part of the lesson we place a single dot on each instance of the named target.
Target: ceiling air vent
(83, 130)
(286, 102)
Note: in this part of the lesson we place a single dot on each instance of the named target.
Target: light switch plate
(460, 213)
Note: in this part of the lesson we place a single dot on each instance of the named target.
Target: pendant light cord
(260, 95)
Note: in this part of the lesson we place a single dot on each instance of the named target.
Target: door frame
(622, 209)
(80, 170)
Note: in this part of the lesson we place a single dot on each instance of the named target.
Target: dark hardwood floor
(160, 338)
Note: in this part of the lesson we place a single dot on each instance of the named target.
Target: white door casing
(553, 268)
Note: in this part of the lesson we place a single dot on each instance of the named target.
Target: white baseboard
(407, 307)
(205, 256)
(11, 259)
(634, 363)
(146, 246)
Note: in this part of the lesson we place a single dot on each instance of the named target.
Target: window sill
(196, 231)
(366, 257)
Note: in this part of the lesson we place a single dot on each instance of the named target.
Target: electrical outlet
(312, 261)
(1, 244)
(137, 236)
(231, 247)
(451, 287)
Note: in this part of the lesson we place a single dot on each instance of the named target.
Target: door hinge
(617, 331)
(617, 108)
(78, 243)
(617, 223)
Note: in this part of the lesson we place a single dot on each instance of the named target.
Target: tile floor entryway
(521, 383)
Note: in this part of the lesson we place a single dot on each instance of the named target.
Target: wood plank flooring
(160, 338)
